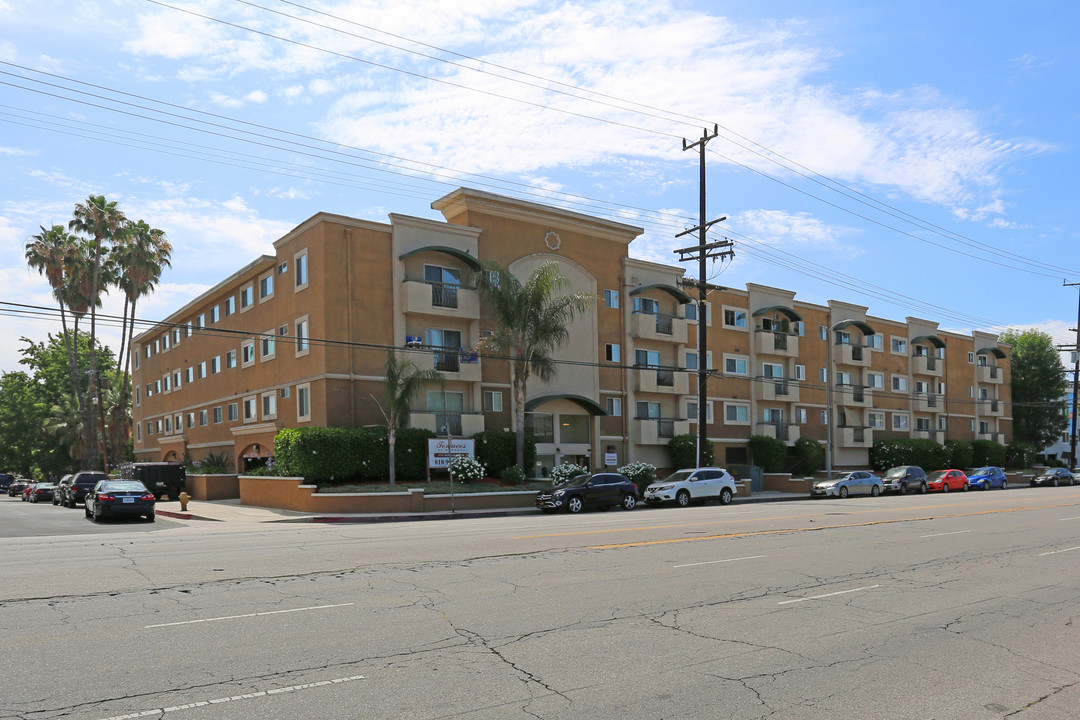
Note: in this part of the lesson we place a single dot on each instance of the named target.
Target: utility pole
(1076, 380)
(703, 251)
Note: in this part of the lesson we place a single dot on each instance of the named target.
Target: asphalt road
(26, 519)
(924, 607)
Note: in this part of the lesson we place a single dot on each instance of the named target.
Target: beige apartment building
(300, 338)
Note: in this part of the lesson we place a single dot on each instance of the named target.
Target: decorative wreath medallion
(552, 240)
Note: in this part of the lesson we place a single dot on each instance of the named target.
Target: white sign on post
(442, 450)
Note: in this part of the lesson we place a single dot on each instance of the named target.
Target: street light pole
(828, 404)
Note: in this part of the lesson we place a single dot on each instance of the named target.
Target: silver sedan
(859, 482)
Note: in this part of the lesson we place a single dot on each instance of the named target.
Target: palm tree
(532, 320)
(103, 222)
(403, 381)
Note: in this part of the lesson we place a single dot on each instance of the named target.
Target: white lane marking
(1055, 552)
(713, 562)
(234, 698)
(818, 597)
(246, 615)
(1072, 518)
(955, 532)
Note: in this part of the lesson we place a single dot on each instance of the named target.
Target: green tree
(21, 420)
(532, 320)
(1038, 384)
(402, 383)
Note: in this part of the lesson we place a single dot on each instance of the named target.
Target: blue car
(985, 478)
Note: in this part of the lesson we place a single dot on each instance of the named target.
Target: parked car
(80, 484)
(985, 478)
(66, 480)
(859, 482)
(16, 487)
(112, 498)
(5, 481)
(904, 479)
(604, 489)
(946, 480)
(161, 478)
(696, 485)
(42, 491)
(1053, 476)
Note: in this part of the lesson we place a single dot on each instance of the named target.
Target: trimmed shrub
(498, 450)
(768, 452)
(562, 473)
(987, 452)
(410, 454)
(639, 473)
(1020, 455)
(923, 452)
(512, 475)
(336, 455)
(962, 453)
(811, 454)
(682, 449)
(467, 470)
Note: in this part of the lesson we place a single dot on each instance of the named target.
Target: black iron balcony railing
(447, 360)
(665, 427)
(665, 324)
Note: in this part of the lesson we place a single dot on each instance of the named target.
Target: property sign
(611, 459)
(441, 450)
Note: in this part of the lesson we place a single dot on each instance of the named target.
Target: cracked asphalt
(923, 607)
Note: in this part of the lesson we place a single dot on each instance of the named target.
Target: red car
(946, 480)
(27, 490)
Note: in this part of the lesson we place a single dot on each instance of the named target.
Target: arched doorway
(253, 456)
(171, 456)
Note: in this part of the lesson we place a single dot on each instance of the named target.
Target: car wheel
(1055, 482)
(725, 496)
(574, 504)
(151, 517)
(922, 488)
(842, 492)
(903, 488)
(944, 486)
(629, 502)
(682, 498)
(86, 511)
(97, 515)
(986, 484)
(965, 488)
(1004, 484)
(874, 491)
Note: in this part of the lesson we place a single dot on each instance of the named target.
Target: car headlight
(558, 493)
(658, 488)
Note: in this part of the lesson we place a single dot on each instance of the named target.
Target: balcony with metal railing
(992, 406)
(852, 354)
(770, 389)
(458, 423)
(437, 298)
(770, 342)
(462, 363)
(658, 431)
(928, 402)
(788, 432)
(658, 326)
(657, 379)
(853, 395)
(991, 374)
(928, 434)
(927, 365)
(854, 437)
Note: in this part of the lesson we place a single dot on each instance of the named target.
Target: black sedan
(115, 498)
(1053, 476)
(42, 492)
(601, 490)
(16, 488)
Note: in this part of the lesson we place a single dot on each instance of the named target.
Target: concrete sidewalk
(233, 511)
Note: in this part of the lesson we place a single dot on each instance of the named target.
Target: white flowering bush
(640, 473)
(564, 472)
(467, 469)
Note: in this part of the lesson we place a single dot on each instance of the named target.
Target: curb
(183, 515)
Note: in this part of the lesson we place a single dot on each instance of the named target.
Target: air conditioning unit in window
(413, 341)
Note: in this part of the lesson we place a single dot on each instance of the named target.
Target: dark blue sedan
(986, 478)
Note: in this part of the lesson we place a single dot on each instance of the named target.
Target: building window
(234, 412)
(611, 352)
(138, 396)
(157, 347)
(822, 332)
(899, 346)
(266, 286)
(202, 370)
(899, 383)
(176, 380)
(190, 420)
(215, 314)
(217, 415)
(734, 413)
(269, 405)
(200, 321)
(189, 374)
(735, 365)
(800, 416)
(215, 365)
(135, 357)
(899, 421)
(247, 353)
(267, 343)
(734, 318)
(283, 268)
(247, 298)
(165, 341)
(648, 411)
(149, 352)
(230, 305)
(875, 380)
(250, 409)
(300, 261)
(157, 387)
(822, 376)
(798, 328)
(303, 402)
(202, 418)
(971, 358)
(138, 432)
(168, 383)
(613, 405)
(872, 341)
(230, 359)
(168, 425)
(302, 347)
(876, 420)
(611, 298)
(800, 372)
(285, 392)
(176, 336)
(493, 401)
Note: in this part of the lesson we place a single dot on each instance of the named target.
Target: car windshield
(130, 486)
(678, 476)
(936, 475)
(896, 472)
(1048, 472)
(982, 471)
(578, 481)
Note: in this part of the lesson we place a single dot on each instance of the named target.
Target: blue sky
(877, 153)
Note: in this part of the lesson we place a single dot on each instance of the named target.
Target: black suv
(904, 479)
(73, 489)
(606, 489)
(5, 481)
(160, 478)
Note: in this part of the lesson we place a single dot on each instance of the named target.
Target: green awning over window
(671, 290)
(928, 339)
(787, 312)
(591, 406)
(863, 327)
(995, 351)
(461, 255)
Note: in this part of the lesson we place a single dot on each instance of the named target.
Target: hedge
(811, 454)
(341, 455)
(768, 452)
(987, 452)
(892, 452)
(498, 451)
(682, 449)
(962, 454)
(1020, 455)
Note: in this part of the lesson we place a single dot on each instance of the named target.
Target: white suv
(685, 486)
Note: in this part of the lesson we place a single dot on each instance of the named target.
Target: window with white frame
(167, 383)
(800, 416)
(234, 412)
(493, 401)
(215, 314)
(302, 347)
(176, 379)
(267, 343)
(824, 417)
(734, 318)
(269, 405)
(971, 425)
(138, 432)
(648, 410)
(266, 286)
(168, 425)
(200, 321)
(215, 365)
(135, 354)
(165, 341)
(283, 267)
(138, 396)
(692, 411)
(942, 423)
(157, 387)
(611, 298)
(150, 353)
(735, 365)
(822, 375)
(189, 374)
(875, 380)
(202, 370)
(876, 420)
(800, 372)
(613, 405)
(899, 383)
(230, 359)
(822, 332)
(190, 420)
(247, 353)
(971, 358)
(247, 297)
(285, 392)
(899, 345)
(250, 409)
(303, 403)
(736, 413)
(899, 421)
(872, 341)
(217, 415)
(230, 305)
(798, 328)
(203, 419)
(612, 352)
(157, 346)
(300, 262)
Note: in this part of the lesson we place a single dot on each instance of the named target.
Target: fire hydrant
(184, 497)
